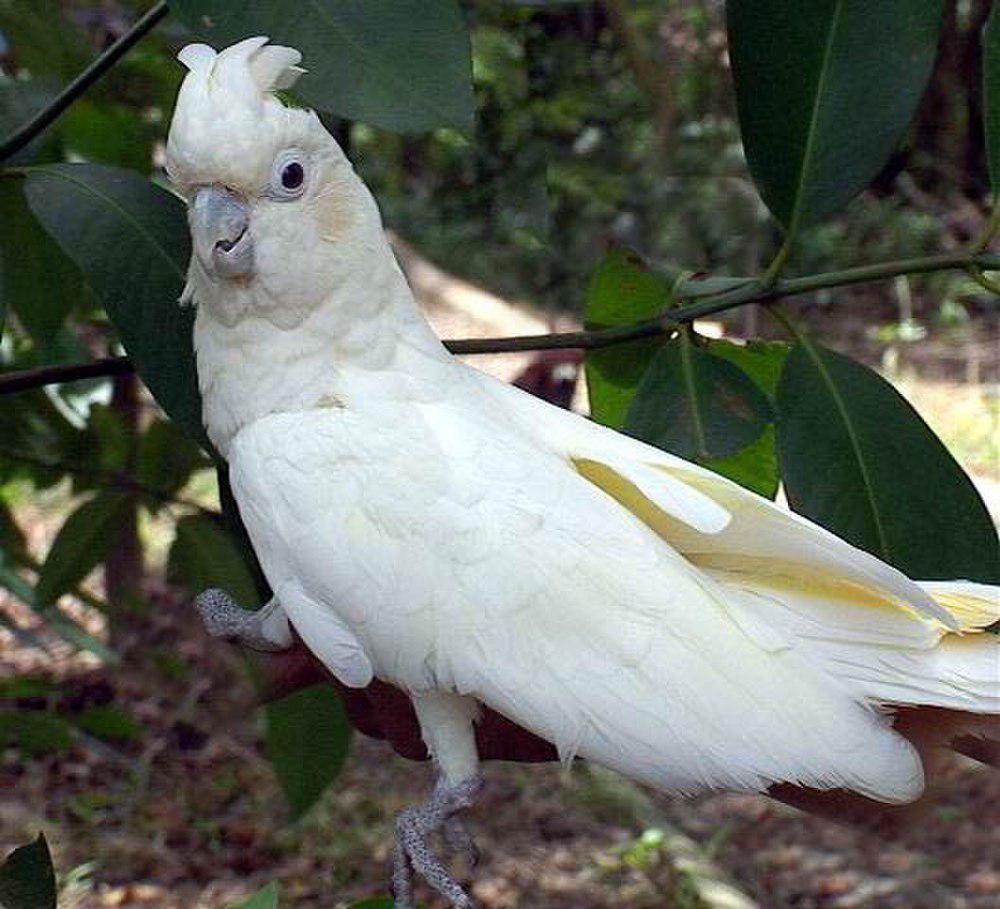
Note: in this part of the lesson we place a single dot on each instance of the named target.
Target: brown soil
(190, 816)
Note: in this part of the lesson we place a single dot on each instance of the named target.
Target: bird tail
(945, 699)
(934, 732)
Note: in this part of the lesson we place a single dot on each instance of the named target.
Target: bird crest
(261, 67)
(228, 124)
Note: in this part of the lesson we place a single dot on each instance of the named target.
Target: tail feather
(886, 658)
(974, 606)
(934, 732)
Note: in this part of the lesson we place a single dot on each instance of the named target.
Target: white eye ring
(289, 175)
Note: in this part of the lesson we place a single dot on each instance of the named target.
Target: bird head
(275, 208)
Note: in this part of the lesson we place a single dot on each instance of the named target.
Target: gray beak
(220, 231)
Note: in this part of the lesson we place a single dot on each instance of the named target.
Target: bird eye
(288, 176)
(292, 176)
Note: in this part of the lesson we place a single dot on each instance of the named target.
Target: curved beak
(220, 232)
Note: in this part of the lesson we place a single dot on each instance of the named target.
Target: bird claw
(413, 854)
(264, 629)
(458, 839)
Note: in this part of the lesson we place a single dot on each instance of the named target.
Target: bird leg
(262, 629)
(412, 852)
(446, 723)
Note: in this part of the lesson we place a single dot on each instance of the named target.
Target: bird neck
(368, 333)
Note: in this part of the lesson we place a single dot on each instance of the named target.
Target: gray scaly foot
(413, 854)
(262, 629)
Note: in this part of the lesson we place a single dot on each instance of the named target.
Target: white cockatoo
(421, 523)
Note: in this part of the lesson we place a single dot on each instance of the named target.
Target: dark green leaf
(41, 39)
(108, 134)
(375, 902)
(755, 466)
(205, 555)
(27, 878)
(856, 458)
(696, 405)
(401, 64)
(54, 618)
(991, 97)
(307, 738)
(26, 687)
(11, 535)
(761, 360)
(166, 459)
(35, 433)
(114, 441)
(263, 899)
(825, 92)
(622, 291)
(130, 239)
(233, 523)
(34, 732)
(37, 281)
(20, 100)
(82, 542)
(110, 723)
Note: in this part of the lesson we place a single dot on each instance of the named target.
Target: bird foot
(413, 854)
(262, 629)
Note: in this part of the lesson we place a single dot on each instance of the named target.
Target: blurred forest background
(600, 124)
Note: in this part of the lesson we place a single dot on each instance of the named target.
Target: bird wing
(460, 555)
(756, 536)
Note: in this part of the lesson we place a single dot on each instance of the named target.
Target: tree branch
(111, 55)
(26, 379)
(699, 306)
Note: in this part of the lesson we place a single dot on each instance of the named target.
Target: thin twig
(26, 379)
(48, 114)
(700, 306)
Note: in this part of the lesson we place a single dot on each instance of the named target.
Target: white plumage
(424, 524)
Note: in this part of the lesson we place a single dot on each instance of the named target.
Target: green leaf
(20, 100)
(82, 542)
(622, 291)
(375, 902)
(34, 732)
(754, 467)
(307, 739)
(129, 237)
(110, 723)
(856, 458)
(401, 64)
(27, 687)
(37, 281)
(12, 540)
(263, 899)
(108, 134)
(825, 92)
(166, 459)
(41, 39)
(761, 360)
(204, 554)
(27, 878)
(54, 618)
(991, 97)
(696, 405)
(112, 436)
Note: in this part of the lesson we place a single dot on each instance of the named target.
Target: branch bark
(51, 112)
(699, 306)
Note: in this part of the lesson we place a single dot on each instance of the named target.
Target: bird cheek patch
(331, 209)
